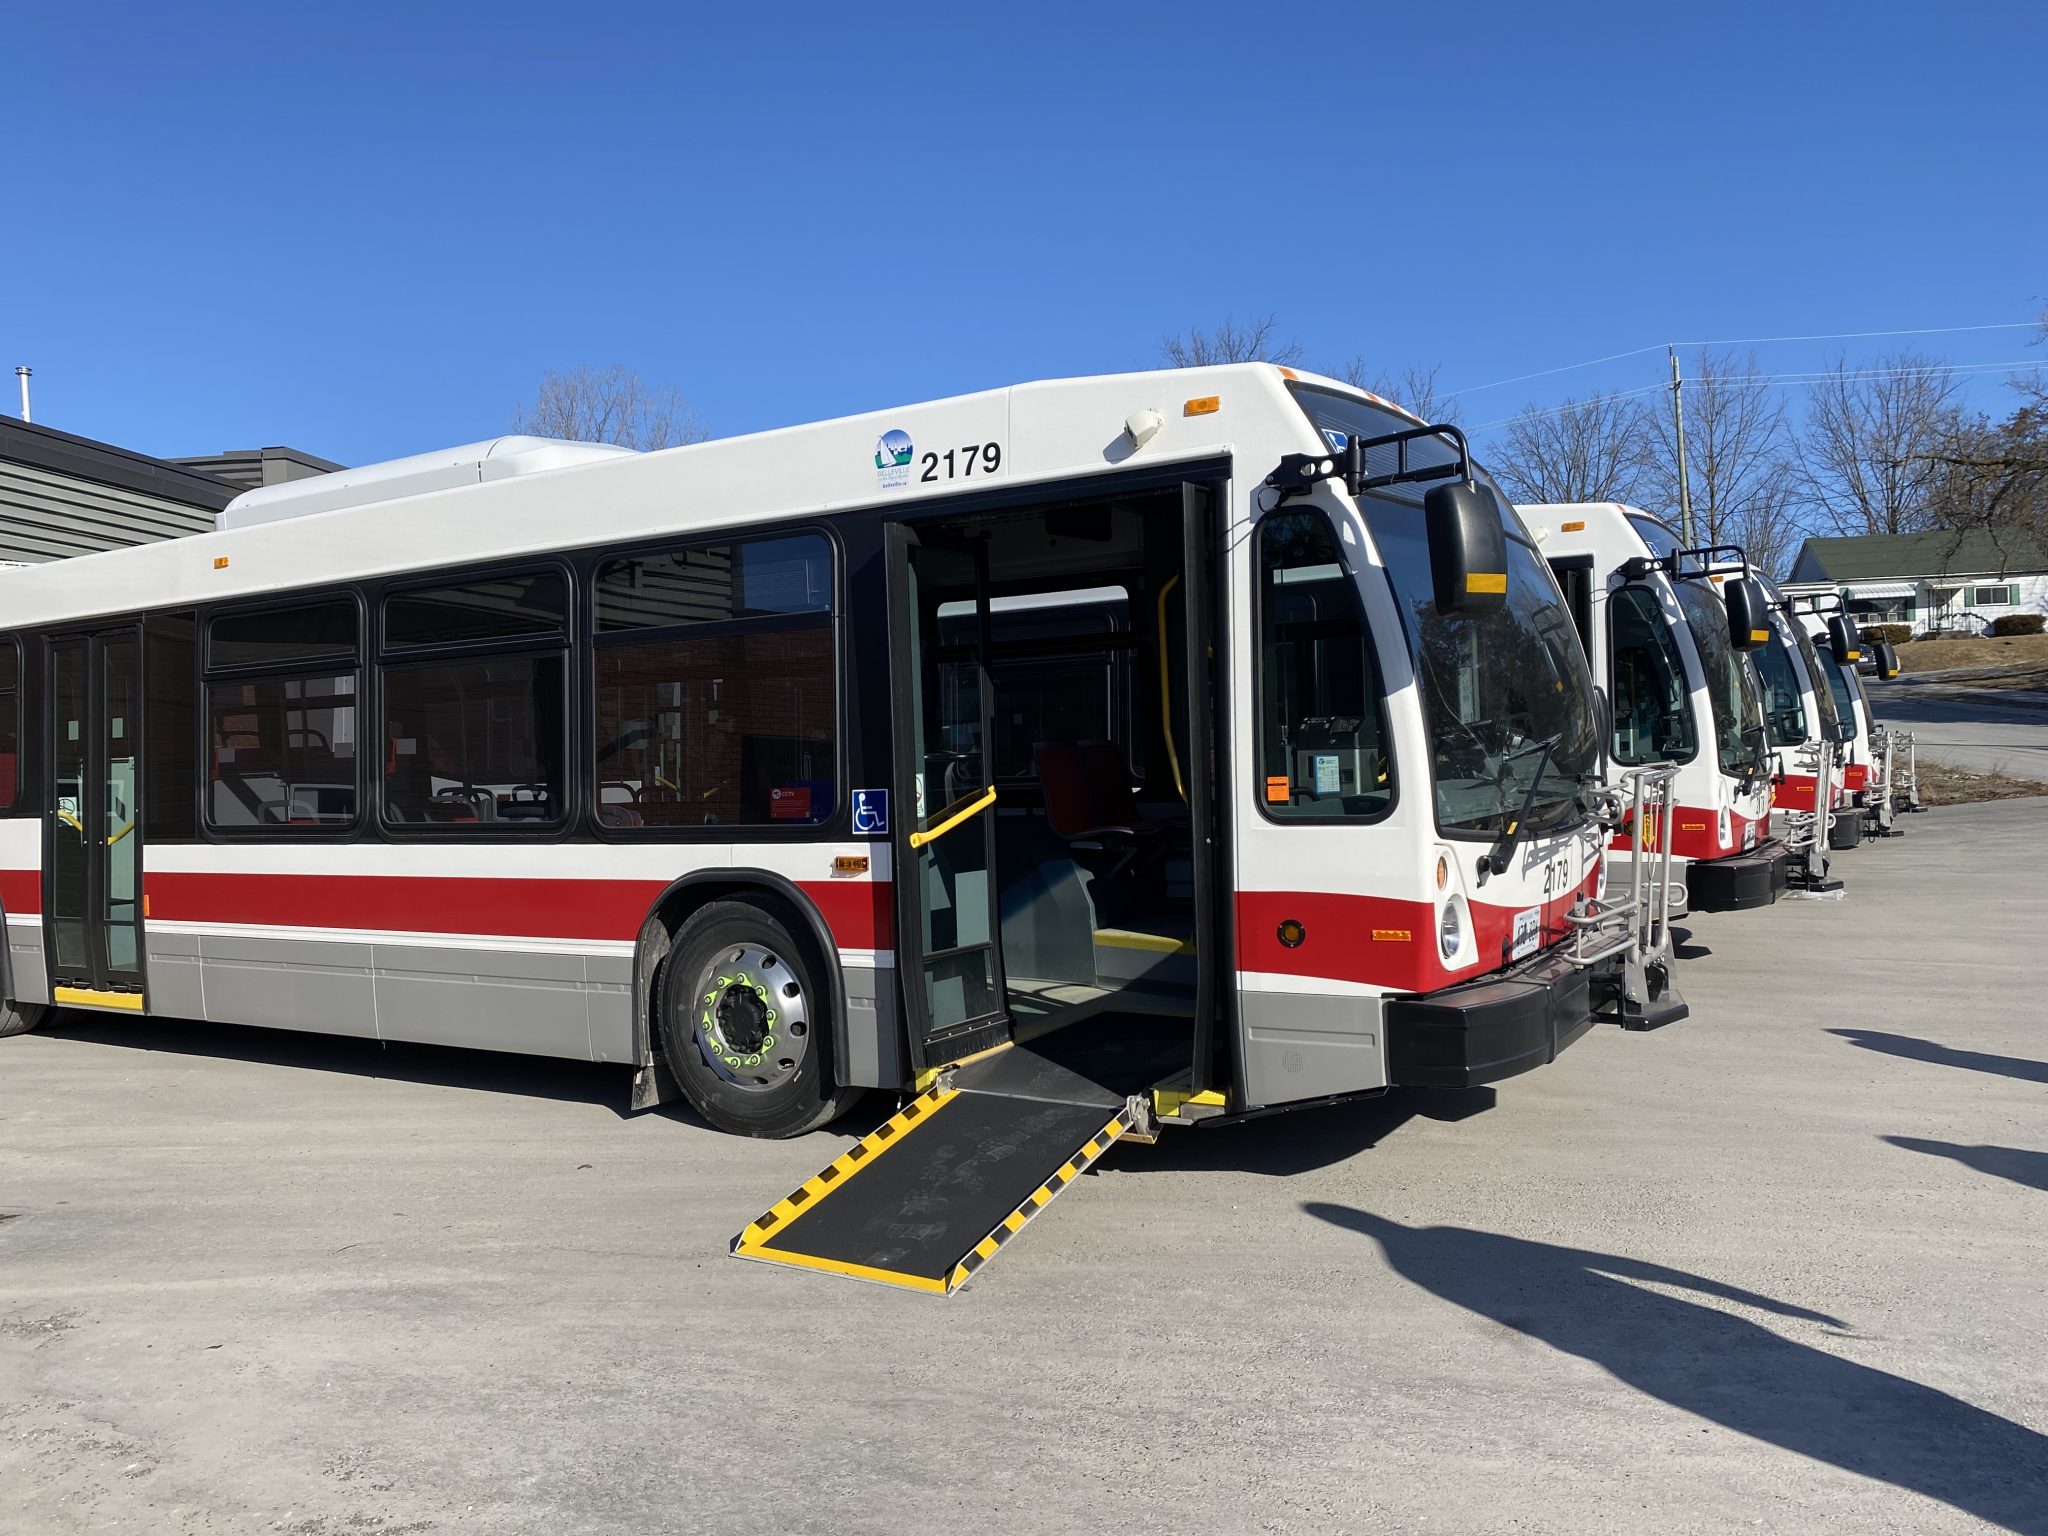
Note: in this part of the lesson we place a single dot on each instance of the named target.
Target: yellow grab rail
(956, 813)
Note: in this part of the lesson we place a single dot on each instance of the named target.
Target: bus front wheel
(746, 1023)
(20, 1018)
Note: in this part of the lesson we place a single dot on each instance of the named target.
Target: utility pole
(22, 374)
(1678, 427)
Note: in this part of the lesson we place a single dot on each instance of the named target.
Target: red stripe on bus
(1379, 941)
(21, 890)
(856, 912)
(1856, 776)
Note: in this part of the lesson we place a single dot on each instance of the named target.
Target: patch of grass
(2026, 651)
(1943, 785)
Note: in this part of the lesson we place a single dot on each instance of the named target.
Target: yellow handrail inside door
(954, 814)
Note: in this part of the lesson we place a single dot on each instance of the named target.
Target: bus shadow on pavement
(1915, 1049)
(534, 1077)
(2022, 1167)
(1723, 1368)
(1300, 1140)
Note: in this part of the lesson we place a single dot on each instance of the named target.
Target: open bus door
(998, 1125)
(948, 931)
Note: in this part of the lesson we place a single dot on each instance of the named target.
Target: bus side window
(281, 718)
(476, 679)
(714, 678)
(1323, 747)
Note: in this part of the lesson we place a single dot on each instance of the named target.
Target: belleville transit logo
(893, 453)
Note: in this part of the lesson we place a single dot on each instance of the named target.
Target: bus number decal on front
(960, 463)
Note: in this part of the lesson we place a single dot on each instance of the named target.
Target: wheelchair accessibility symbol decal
(871, 812)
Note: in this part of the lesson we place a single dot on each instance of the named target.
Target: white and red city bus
(1156, 747)
(1799, 714)
(1878, 772)
(1678, 686)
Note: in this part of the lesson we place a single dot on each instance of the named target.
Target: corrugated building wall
(63, 495)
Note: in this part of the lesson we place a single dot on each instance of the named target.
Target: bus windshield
(1731, 686)
(1845, 699)
(1495, 687)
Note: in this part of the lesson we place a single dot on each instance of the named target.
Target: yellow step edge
(86, 997)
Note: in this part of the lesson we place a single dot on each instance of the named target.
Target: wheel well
(682, 900)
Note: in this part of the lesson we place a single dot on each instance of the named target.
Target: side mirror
(1843, 639)
(1468, 548)
(1749, 613)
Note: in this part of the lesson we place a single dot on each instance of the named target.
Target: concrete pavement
(1776, 1268)
(1974, 730)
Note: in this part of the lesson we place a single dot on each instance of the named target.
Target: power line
(1745, 341)
(1775, 379)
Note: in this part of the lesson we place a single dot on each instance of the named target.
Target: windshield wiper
(1495, 860)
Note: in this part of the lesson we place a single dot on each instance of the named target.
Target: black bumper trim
(1754, 879)
(1481, 1031)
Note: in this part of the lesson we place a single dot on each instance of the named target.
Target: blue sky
(366, 230)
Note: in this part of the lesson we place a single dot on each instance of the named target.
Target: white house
(1946, 581)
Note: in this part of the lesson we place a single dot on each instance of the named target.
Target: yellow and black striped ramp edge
(934, 1192)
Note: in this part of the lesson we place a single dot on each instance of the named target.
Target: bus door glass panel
(948, 847)
(120, 805)
(70, 859)
(1784, 706)
(1652, 704)
(95, 880)
(1324, 733)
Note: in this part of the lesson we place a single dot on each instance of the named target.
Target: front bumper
(1739, 882)
(1482, 1031)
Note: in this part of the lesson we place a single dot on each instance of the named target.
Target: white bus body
(1676, 689)
(829, 756)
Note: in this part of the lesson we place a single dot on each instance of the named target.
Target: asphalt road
(1975, 732)
(1776, 1268)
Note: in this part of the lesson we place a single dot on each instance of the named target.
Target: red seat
(1070, 808)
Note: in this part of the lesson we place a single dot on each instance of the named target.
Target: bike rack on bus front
(1635, 927)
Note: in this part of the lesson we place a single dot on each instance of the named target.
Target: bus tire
(746, 1022)
(20, 1018)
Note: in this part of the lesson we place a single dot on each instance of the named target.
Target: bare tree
(609, 405)
(1583, 450)
(1867, 456)
(1253, 342)
(1413, 388)
(1738, 465)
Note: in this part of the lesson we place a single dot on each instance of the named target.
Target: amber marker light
(1202, 405)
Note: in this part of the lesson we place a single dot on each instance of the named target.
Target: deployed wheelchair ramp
(931, 1194)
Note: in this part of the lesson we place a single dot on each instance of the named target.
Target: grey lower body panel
(531, 1001)
(28, 976)
(1308, 1046)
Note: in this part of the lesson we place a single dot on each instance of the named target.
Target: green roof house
(1948, 581)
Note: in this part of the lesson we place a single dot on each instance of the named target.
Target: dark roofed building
(247, 468)
(63, 495)
(1945, 580)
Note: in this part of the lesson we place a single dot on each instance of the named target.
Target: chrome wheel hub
(752, 1021)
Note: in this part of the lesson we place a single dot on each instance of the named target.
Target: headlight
(1450, 927)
